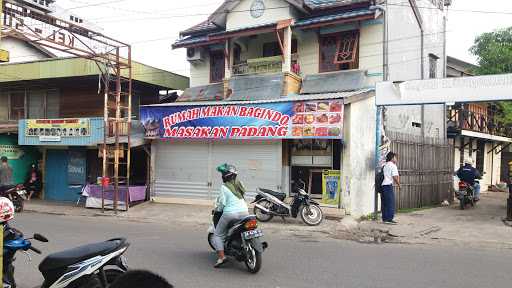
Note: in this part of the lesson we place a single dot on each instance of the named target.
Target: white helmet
(469, 161)
(6, 210)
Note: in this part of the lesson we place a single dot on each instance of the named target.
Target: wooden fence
(426, 170)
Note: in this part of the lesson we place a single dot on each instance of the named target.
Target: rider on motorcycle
(232, 204)
(470, 174)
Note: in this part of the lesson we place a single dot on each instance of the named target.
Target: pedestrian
(390, 171)
(140, 279)
(33, 184)
(5, 172)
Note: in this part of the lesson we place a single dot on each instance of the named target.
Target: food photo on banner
(276, 120)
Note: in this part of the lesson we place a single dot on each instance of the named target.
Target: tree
(494, 52)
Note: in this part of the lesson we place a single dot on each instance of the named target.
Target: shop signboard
(331, 187)
(54, 129)
(320, 119)
(12, 152)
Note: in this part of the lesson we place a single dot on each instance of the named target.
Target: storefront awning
(485, 136)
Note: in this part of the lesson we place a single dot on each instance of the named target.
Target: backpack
(379, 178)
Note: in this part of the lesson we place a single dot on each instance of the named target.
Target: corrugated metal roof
(322, 4)
(80, 67)
(302, 97)
(256, 87)
(209, 92)
(333, 17)
(349, 80)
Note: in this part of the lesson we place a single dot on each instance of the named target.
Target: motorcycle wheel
(261, 215)
(112, 275)
(252, 259)
(312, 215)
(92, 281)
(18, 205)
(210, 241)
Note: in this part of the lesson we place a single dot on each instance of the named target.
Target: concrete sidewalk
(478, 226)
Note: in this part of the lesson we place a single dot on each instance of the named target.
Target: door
(259, 164)
(181, 170)
(217, 65)
(56, 176)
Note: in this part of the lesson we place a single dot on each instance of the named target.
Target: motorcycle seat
(79, 254)
(279, 195)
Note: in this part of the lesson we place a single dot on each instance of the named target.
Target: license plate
(252, 234)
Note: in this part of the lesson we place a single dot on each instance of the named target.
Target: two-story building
(52, 112)
(284, 90)
(476, 132)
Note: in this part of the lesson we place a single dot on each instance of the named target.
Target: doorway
(480, 156)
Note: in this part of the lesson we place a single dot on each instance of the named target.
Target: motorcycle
(242, 241)
(465, 194)
(270, 203)
(15, 193)
(81, 267)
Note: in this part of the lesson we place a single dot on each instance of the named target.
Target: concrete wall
(358, 157)
(200, 72)
(405, 64)
(241, 16)
(20, 51)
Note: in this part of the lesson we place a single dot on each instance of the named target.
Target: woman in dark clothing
(33, 183)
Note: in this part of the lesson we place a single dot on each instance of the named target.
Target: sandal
(220, 262)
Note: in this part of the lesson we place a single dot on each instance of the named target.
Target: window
(17, 101)
(432, 64)
(217, 66)
(273, 49)
(339, 51)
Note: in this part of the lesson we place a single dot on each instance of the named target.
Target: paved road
(180, 253)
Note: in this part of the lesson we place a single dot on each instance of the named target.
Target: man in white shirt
(391, 177)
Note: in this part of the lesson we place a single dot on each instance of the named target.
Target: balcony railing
(263, 65)
(463, 119)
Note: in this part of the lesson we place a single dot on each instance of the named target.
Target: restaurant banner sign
(56, 128)
(277, 120)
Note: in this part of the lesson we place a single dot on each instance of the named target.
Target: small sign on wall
(12, 152)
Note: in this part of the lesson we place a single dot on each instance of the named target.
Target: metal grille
(426, 170)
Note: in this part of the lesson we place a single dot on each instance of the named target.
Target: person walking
(5, 172)
(391, 176)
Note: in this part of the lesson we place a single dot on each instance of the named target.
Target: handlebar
(35, 250)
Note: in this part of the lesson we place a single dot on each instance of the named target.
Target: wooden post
(287, 49)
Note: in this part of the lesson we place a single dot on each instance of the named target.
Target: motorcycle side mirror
(40, 238)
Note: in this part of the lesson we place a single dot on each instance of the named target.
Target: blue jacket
(468, 174)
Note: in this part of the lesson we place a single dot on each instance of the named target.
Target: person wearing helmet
(5, 172)
(470, 175)
(232, 204)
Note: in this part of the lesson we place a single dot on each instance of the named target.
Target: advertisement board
(331, 187)
(12, 152)
(56, 128)
(279, 120)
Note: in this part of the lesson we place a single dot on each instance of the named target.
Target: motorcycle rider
(232, 204)
(470, 174)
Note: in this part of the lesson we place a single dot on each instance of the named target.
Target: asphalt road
(181, 254)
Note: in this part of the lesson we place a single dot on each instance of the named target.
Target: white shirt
(390, 170)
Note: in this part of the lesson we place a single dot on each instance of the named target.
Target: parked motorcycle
(243, 241)
(81, 267)
(15, 193)
(270, 203)
(465, 194)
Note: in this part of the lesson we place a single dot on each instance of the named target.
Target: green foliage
(494, 52)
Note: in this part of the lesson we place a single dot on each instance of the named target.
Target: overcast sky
(151, 26)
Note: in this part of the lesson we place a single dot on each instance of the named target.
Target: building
(295, 61)
(476, 132)
(52, 110)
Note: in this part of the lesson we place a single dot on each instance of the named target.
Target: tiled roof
(205, 26)
(333, 17)
(191, 40)
(322, 4)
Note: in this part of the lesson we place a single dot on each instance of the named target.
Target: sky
(151, 26)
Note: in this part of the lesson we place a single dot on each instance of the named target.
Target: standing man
(5, 172)
(390, 171)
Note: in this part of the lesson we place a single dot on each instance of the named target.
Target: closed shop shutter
(181, 170)
(52, 104)
(36, 104)
(258, 162)
(184, 169)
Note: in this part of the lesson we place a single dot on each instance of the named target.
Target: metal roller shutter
(258, 162)
(181, 170)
